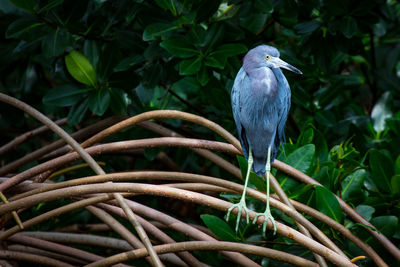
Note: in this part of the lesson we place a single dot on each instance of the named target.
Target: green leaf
(80, 68)
(302, 158)
(381, 169)
(78, 112)
(386, 224)
(179, 48)
(349, 26)
(119, 101)
(91, 51)
(327, 203)
(187, 84)
(365, 211)
(265, 6)
(216, 61)
(99, 100)
(56, 43)
(307, 27)
(27, 5)
(64, 95)
(395, 182)
(381, 111)
(397, 165)
(144, 94)
(351, 185)
(157, 29)
(254, 179)
(228, 50)
(25, 28)
(254, 22)
(219, 227)
(129, 62)
(190, 66)
(203, 76)
(51, 4)
(306, 137)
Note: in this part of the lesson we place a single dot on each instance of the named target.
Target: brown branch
(175, 193)
(165, 114)
(157, 233)
(220, 183)
(82, 133)
(208, 245)
(117, 147)
(32, 258)
(82, 153)
(25, 136)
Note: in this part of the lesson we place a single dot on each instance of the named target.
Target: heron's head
(266, 56)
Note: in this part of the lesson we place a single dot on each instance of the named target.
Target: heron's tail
(259, 165)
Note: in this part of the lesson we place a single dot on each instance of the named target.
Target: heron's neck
(279, 76)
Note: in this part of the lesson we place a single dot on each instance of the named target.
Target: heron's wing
(239, 85)
(284, 98)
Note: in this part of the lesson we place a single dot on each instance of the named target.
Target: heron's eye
(267, 57)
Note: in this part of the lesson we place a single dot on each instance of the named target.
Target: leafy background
(90, 59)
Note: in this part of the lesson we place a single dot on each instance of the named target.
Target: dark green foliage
(79, 58)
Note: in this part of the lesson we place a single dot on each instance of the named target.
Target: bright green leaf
(64, 95)
(80, 68)
(328, 204)
(190, 66)
(219, 227)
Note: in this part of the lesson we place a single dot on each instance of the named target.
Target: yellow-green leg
(267, 213)
(242, 203)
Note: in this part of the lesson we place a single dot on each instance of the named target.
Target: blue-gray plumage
(260, 104)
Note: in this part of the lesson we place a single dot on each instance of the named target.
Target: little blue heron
(260, 104)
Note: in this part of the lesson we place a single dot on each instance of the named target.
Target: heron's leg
(267, 213)
(242, 203)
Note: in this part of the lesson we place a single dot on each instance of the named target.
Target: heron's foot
(241, 206)
(267, 216)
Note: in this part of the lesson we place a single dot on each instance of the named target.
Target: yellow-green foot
(267, 216)
(241, 206)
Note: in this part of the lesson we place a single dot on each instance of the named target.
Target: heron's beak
(279, 63)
